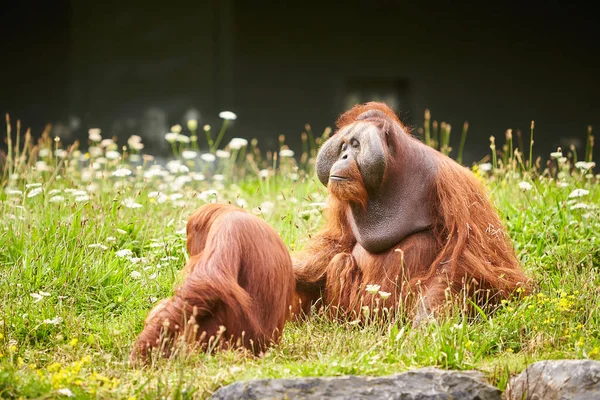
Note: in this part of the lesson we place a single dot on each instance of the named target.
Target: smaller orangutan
(237, 290)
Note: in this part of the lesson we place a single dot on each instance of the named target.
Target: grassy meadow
(93, 235)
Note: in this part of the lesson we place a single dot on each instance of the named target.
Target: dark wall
(132, 67)
(34, 71)
(499, 68)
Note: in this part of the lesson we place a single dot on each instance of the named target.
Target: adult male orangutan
(405, 217)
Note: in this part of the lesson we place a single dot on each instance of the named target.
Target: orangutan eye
(344, 146)
(354, 143)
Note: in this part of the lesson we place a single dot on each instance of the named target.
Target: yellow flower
(53, 367)
(564, 304)
(73, 342)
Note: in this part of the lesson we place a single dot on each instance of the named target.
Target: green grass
(73, 299)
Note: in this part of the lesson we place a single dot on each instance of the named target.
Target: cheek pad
(372, 161)
(327, 156)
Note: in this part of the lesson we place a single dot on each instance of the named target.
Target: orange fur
(465, 253)
(238, 266)
(351, 115)
(352, 190)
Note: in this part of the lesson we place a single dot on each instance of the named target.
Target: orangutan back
(237, 291)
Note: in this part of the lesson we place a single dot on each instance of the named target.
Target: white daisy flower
(36, 297)
(97, 246)
(34, 192)
(60, 153)
(42, 166)
(44, 152)
(81, 198)
(384, 295)
(267, 207)
(95, 151)
(189, 154)
(286, 153)
(130, 203)
(134, 139)
(372, 289)
(112, 154)
(208, 157)
(135, 275)
(485, 167)
(66, 392)
(222, 154)
(107, 143)
(53, 321)
(121, 172)
(171, 137)
(578, 193)
(182, 138)
(228, 115)
(583, 165)
(580, 206)
(124, 253)
(237, 143)
(525, 186)
(94, 135)
(176, 128)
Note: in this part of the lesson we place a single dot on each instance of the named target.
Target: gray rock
(421, 384)
(556, 380)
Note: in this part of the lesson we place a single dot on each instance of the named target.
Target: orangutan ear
(327, 156)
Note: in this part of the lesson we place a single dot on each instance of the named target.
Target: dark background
(139, 67)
